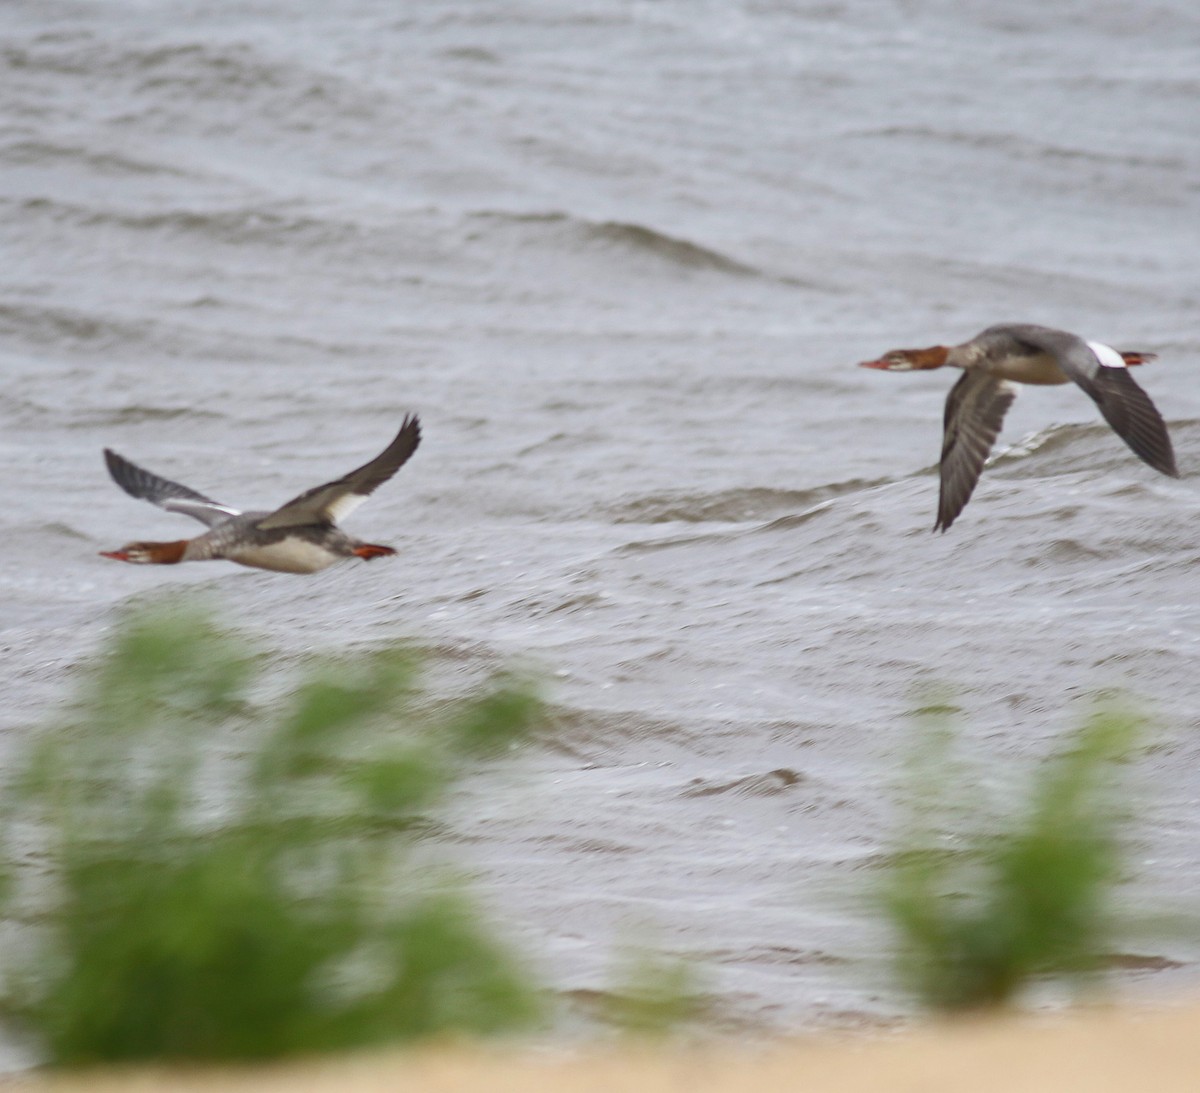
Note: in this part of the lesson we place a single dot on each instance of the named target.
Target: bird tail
(367, 551)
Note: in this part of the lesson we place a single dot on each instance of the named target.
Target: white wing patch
(341, 507)
(201, 510)
(1107, 355)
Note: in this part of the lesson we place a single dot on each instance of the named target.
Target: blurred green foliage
(198, 877)
(1008, 899)
(652, 994)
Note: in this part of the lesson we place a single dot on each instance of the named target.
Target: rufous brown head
(909, 360)
(149, 553)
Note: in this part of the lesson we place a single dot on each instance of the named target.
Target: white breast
(288, 556)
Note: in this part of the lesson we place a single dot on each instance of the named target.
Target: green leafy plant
(652, 994)
(194, 877)
(1008, 900)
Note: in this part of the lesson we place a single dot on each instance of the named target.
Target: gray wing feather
(1125, 406)
(332, 501)
(975, 410)
(145, 486)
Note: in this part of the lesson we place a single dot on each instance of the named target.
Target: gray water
(622, 258)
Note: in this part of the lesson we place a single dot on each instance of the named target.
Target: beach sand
(1097, 1050)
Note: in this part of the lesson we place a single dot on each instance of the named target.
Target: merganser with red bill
(993, 361)
(299, 537)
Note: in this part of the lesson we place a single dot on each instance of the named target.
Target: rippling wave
(574, 231)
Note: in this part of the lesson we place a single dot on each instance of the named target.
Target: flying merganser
(299, 537)
(1024, 353)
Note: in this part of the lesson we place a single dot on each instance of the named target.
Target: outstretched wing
(164, 493)
(975, 410)
(1125, 406)
(333, 501)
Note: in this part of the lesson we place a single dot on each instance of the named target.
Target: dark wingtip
(116, 464)
(405, 442)
(945, 516)
(1169, 466)
(412, 423)
(1161, 461)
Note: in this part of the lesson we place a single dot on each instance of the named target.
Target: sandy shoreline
(1098, 1050)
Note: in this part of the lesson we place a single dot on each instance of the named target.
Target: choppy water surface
(622, 258)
